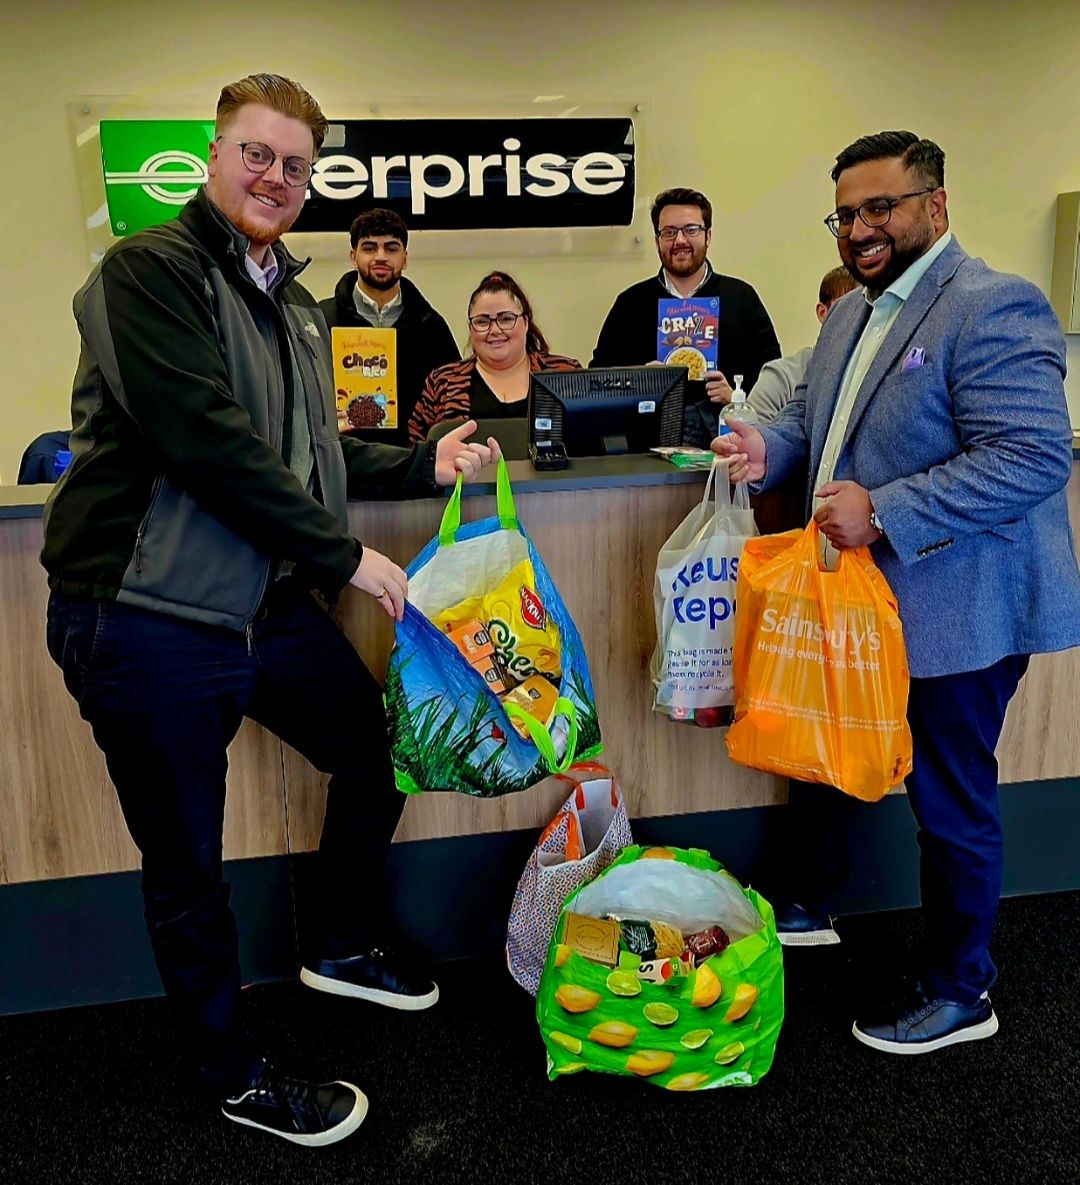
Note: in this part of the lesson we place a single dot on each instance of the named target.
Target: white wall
(749, 100)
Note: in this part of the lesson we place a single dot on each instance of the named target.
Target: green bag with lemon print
(619, 997)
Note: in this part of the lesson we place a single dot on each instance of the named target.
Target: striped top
(446, 394)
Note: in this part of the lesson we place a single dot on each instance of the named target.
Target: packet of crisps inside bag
(526, 639)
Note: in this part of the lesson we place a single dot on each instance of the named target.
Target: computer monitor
(603, 412)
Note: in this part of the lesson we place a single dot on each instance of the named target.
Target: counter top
(23, 501)
(587, 473)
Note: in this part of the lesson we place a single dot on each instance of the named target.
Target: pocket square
(914, 358)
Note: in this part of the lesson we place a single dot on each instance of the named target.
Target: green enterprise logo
(152, 167)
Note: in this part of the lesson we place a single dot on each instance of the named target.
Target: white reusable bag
(694, 598)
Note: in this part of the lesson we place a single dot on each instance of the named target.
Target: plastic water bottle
(60, 462)
(738, 408)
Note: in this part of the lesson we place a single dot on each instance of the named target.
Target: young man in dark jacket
(376, 295)
(205, 501)
(746, 340)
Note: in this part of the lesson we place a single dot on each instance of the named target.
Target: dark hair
(535, 342)
(681, 196)
(378, 222)
(839, 282)
(923, 157)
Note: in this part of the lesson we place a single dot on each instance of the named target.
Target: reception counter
(599, 526)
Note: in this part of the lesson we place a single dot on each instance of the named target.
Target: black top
(424, 343)
(484, 404)
(746, 338)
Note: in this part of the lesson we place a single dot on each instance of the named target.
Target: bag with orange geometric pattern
(821, 671)
(587, 834)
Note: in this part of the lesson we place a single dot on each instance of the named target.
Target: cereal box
(686, 333)
(365, 377)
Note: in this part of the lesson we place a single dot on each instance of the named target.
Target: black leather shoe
(303, 1112)
(798, 926)
(921, 1024)
(382, 976)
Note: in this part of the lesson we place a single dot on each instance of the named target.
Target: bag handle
(723, 497)
(827, 558)
(541, 738)
(584, 767)
(595, 769)
(573, 849)
(451, 519)
(723, 502)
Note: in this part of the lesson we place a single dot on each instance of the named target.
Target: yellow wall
(749, 101)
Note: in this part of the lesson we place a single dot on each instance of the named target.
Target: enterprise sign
(444, 174)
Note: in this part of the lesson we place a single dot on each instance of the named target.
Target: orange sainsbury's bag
(821, 673)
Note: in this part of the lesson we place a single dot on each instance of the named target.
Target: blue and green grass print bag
(449, 729)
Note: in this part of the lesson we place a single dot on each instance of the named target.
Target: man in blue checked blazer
(934, 422)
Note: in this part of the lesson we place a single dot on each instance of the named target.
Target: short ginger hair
(279, 94)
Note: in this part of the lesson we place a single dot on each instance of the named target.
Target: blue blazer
(966, 457)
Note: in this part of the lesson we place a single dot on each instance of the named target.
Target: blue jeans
(165, 697)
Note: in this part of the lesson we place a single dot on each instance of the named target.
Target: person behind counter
(205, 502)
(375, 294)
(778, 379)
(493, 381)
(682, 223)
(934, 410)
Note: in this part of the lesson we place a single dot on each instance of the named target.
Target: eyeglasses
(482, 322)
(259, 158)
(670, 233)
(876, 212)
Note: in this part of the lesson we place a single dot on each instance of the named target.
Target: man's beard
(256, 233)
(380, 283)
(902, 256)
(686, 265)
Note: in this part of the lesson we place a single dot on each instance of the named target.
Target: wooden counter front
(599, 537)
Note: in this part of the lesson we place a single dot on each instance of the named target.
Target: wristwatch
(875, 522)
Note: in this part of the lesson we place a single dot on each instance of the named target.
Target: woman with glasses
(493, 381)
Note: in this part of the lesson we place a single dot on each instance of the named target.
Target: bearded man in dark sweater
(746, 340)
(374, 293)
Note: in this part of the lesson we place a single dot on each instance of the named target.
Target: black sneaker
(921, 1024)
(303, 1112)
(798, 926)
(381, 976)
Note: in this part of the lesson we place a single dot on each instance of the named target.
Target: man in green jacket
(205, 502)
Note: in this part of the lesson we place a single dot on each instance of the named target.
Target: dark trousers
(164, 698)
(818, 844)
(956, 722)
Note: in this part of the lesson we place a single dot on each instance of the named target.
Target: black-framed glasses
(258, 158)
(875, 212)
(483, 322)
(670, 233)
